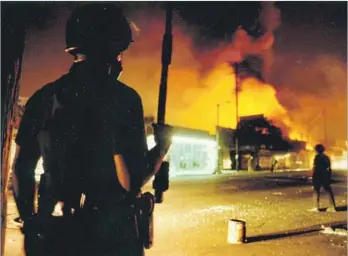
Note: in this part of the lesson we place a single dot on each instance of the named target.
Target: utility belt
(121, 222)
(110, 220)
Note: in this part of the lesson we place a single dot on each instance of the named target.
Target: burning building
(260, 144)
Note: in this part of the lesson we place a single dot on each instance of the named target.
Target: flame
(295, 135)
(339, 159)
(340, 162)
(255, 98)
(309, 147)
(200, 78)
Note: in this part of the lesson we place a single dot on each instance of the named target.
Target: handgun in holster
(145, 205)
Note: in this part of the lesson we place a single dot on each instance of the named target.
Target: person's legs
(316, 194)
(328, 189)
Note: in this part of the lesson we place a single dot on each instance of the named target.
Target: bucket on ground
(236, 231)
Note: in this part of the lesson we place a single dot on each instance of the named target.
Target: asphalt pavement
(193, 218)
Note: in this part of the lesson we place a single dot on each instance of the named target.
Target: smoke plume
(295, 91)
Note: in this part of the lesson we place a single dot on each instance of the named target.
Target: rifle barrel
(166, 60)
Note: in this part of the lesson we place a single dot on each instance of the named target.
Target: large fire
(255, 98)
(200, 78)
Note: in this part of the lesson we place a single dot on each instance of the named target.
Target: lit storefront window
(190, 155)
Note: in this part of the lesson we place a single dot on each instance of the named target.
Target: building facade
(193, 152)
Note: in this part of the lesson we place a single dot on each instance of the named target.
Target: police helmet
(98, 27)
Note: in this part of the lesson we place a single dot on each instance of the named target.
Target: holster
(145, 206)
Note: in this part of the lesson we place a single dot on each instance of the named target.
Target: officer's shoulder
(125, 91)
(50, 87)
(40, 94)
(45, 92)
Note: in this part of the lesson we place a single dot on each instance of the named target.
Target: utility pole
(217, 169)
(217, 136)
(217, 114)
(237, 115)
(325, 131)
(311, 125)
(309, 128)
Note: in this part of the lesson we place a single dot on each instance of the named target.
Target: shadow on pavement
(302, 179)
(289, 181)
(290, 233)
(272, 236)
(341, 208)
(289, 178)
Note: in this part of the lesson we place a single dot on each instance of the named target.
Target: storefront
(190, 155)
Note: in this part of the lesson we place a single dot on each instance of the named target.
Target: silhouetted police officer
(322, 177)
(89, 129)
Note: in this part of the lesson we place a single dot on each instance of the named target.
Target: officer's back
(103, 112)
(89, 129)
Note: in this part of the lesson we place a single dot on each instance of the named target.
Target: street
(192, 220)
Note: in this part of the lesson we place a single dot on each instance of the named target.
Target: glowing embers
(190, 155)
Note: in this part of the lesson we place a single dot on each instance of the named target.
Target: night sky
(319, 26)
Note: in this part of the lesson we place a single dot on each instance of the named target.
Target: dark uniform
(82, 125)
(322, 176)
(113, 125)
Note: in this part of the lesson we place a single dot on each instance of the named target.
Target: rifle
(161, 181)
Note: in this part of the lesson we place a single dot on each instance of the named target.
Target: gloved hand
(163, 136)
